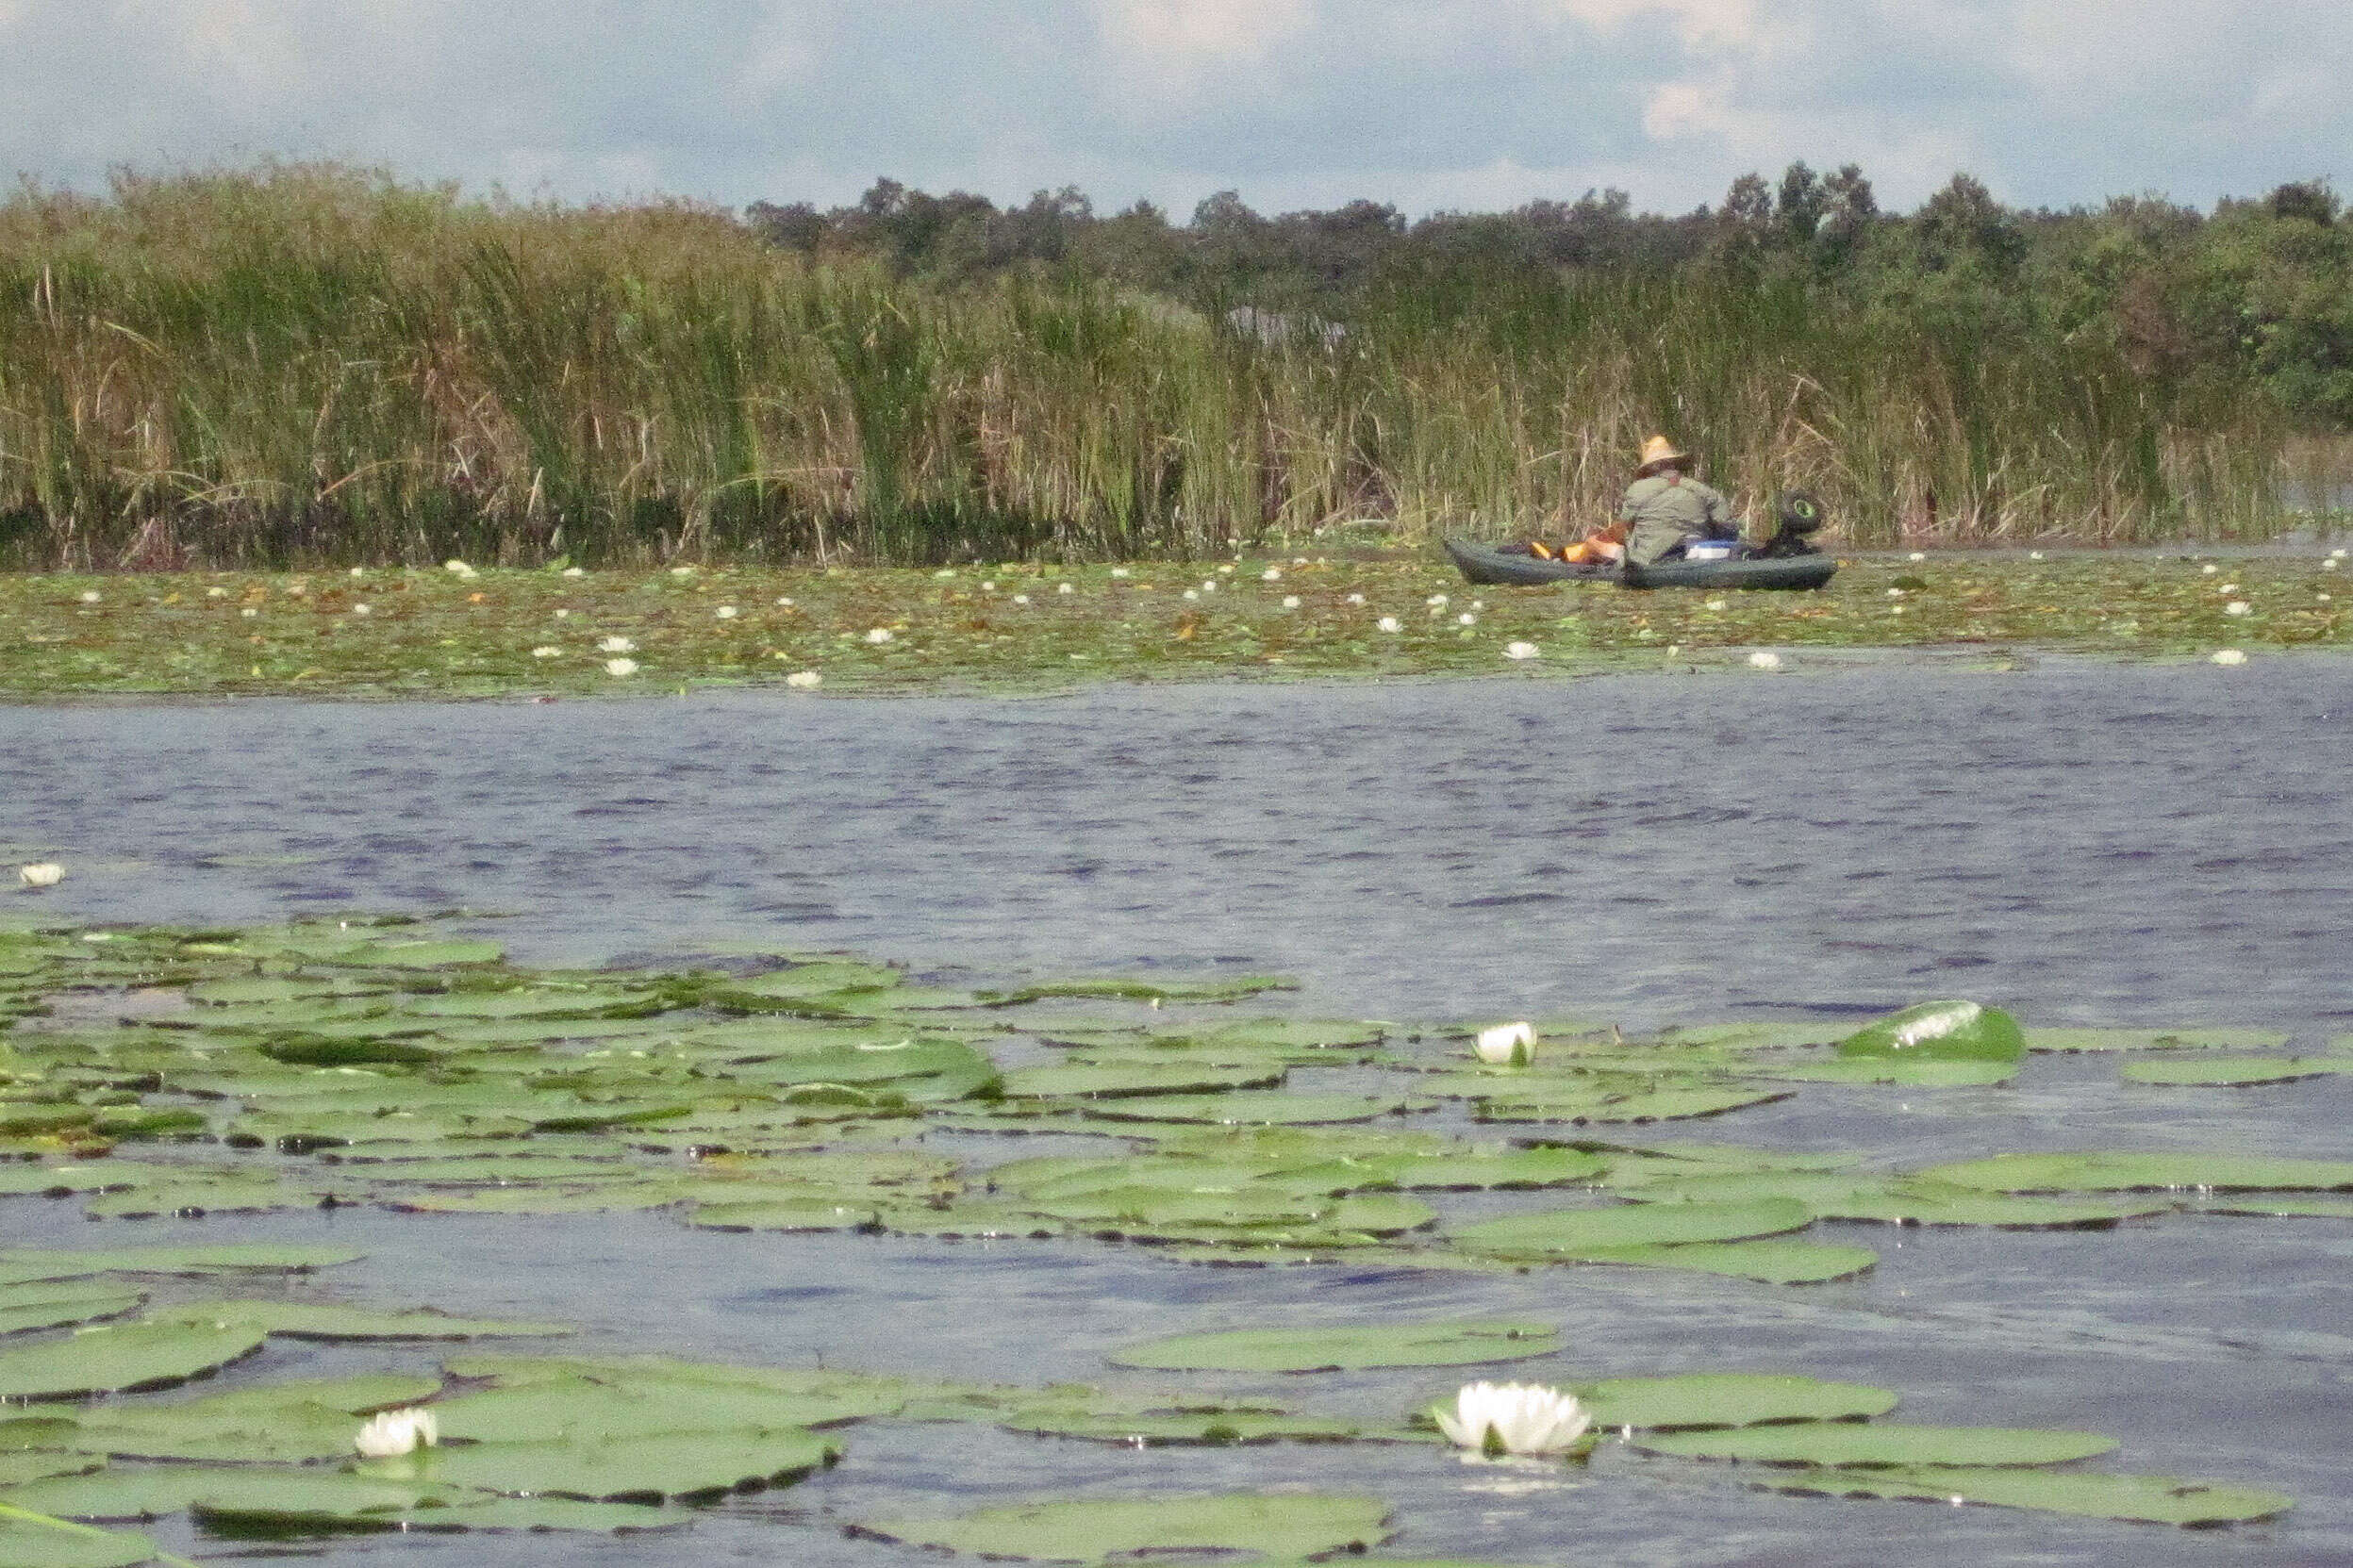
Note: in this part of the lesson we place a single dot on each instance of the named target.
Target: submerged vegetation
(392, 1067)
(305, 366)
(470, 632)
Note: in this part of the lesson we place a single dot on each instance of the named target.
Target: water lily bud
(1507, 1045)
(396, 1432)
(45, 873)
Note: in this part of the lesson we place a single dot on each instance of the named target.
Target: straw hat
(1659, 452)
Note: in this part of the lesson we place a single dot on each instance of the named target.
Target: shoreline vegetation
(458, 631)
(306, 366)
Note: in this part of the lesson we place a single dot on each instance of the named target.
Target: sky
(1429, 105)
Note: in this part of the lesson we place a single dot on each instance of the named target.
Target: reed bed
(304, 365)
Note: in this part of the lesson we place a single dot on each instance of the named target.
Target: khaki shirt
(1666, 509)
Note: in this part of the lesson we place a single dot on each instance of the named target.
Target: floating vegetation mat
(482, 633)
(151, 1074)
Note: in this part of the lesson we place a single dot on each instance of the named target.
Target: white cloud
(1177, 45)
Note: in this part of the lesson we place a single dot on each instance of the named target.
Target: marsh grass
(302, 365)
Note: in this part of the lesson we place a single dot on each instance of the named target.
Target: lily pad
(324, 1321)
(1101, 1081)
(33, 1543)
(2231, 1072)
(2119, 1172)
(57, 1305)
(1334, 1348)
(1577, 1233)
(233, 1258)
(2155, 1039)
(1771, 1263)
(1186, 1429)
(1729, 1399)
(680, 1465)
(1291, 1523)
(1258, 1108)
(2148, 1499)
(1673, 1102)
(1951, 1031)
(1846, 1443)
(123, 1358)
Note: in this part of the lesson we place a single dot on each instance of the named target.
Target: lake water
(2081, 842)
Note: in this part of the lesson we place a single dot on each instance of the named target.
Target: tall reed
(304, 365)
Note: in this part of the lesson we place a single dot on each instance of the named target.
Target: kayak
(1501, 566)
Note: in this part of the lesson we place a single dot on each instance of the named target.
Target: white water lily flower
(395, 1432)
(944, 572)
(363, 609)
(45, 873)
(1290, 601)
(988, 584)
(457, 568)
(682, 571)
(1918, 556)
(562, 614)
(2033, 555)
(2336, 554)
(1507, 1045)
(1390, 623)
(1065, 588)
(2228, 587)
(785, 602)
(1726, 604)
(1209, 585)
(1467, 618)
(1018, 599)
(2210, 568)
(725, 611)
(1227, 568)
(575, 572)
(881, 635)
(1520, 649)
(805, 680)
(546, 651)
(249, 612)
(616, 645)
(1765, 660)
(216, 593)
(1192, 593)
(90, 596)
(1356, 599)
(2328, 564)
(620, 668)
(1514, 1418)
(1272, 575)
(1894, 593)
(359, 571)
(2227, 656)
(1436, 601)
(1119, 572)
(2238, 606)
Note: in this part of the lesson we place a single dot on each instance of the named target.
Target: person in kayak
(1666, 508)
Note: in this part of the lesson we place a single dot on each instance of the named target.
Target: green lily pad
(2148, 1499)
(123, 1358)
(1256, 1107)
(1186, 1429)
(1727, 1399)
(57, 1180)
(2231, 1072)
(1913, 1070)
(441, 954)
(1130, 1079)
(1843, 1443)
(233, 1258)
(133, 1491)
(1329, 1348)
(1145, 990)
(577, 1409)
(2072, 1040)
(1576, 1232)
(680, 1465)
(1925, 1203)
(324, 1321)
(1771, 1263)
(803, 1213)
(20, 1465)
(2284, 1208)
(1666, 1103)
(31, 1543)
(61, 1304)
(1293, 1523)
(1952, 1031)
(2094, 1171)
